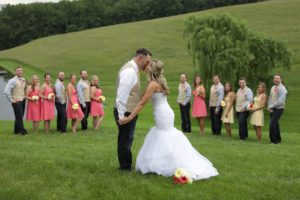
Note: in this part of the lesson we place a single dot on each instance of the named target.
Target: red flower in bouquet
(180, 177)
(250, 106)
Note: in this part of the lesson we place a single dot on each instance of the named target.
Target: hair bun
(157, 67)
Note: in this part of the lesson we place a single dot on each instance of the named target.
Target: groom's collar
(135, 66)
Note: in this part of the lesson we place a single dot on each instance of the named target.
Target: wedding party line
(80, 99)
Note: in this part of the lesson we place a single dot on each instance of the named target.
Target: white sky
(24, 1)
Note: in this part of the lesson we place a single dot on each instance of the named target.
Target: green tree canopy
(24, 22)
(222, 45)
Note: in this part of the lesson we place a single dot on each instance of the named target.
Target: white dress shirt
(128, 79)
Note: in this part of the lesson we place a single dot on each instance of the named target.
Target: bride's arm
(152, 87)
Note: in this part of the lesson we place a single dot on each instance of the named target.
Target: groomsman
(184, 97)
(276, 107)
(60, 103)
(15, 92)
(216, 96)
(243, 100)
(83, 92)
(128, 97)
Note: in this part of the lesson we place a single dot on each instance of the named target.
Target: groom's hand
(124, 120)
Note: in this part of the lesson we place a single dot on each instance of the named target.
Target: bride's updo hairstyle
(156, 74)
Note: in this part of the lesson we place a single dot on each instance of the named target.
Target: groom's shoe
(129, 169)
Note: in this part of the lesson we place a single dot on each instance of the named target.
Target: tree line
(221, 44)
(22, 23)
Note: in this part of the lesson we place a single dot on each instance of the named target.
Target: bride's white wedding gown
(166, 148)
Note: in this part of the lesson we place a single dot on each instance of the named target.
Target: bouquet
(181, 177)
(75, 106)
(201, 91)
(35, 98)
(250, 106)
(50, 96)
(223, 103)
(102, 98)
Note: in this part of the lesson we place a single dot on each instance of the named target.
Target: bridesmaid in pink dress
(48, 104)
(96, 104)
(33, 112)
(74, 111)
(199, 107)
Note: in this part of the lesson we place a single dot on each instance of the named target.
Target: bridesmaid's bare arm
(93, 91)
(203, 94)
(69, 93)
(28, 90)
(231, 100)
(42, 92)
(53, 89)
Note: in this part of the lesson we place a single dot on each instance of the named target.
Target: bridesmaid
(48, 97)
(228, 113)
(96, 105)
(257, 117)
(199, 107)
(34, 103)
(74, 111)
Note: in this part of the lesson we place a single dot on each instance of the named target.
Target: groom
(128, 96)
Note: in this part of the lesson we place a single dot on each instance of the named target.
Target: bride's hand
(124, 120)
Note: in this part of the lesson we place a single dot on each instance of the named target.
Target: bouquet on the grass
(75, 106)
(50, 96)
(102, 98)
(182, 177)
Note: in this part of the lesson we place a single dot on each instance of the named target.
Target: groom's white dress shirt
(128, 79)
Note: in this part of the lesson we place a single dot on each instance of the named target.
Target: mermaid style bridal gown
(166, 148)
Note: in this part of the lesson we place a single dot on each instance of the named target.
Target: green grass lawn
(85, 165)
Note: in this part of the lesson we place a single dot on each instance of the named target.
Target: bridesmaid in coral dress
(257, 117)
(74, 111)
(33, 103)
(96, 104)
(48, 103)
(199, 107)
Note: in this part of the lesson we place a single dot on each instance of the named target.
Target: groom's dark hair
(143, 51)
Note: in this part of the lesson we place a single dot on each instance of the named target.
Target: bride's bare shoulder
(153, 84)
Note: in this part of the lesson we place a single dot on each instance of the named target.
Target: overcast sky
(24, 1)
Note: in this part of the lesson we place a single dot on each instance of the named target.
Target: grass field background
(84, 166)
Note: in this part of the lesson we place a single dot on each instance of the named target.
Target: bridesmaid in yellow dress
(257, 117)
(228, 114)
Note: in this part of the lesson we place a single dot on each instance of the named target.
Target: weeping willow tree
(222, 45)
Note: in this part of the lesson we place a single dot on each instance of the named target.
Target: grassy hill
(85, 166)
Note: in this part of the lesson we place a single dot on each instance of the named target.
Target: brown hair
(197, 76)
(47, 74)
(73, 74)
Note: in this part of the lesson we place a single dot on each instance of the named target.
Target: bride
(166, 148)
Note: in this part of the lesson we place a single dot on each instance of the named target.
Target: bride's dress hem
(166, 148)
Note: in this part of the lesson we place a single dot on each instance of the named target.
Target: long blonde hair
(32, 80)
(263, 85)
(156, 75)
